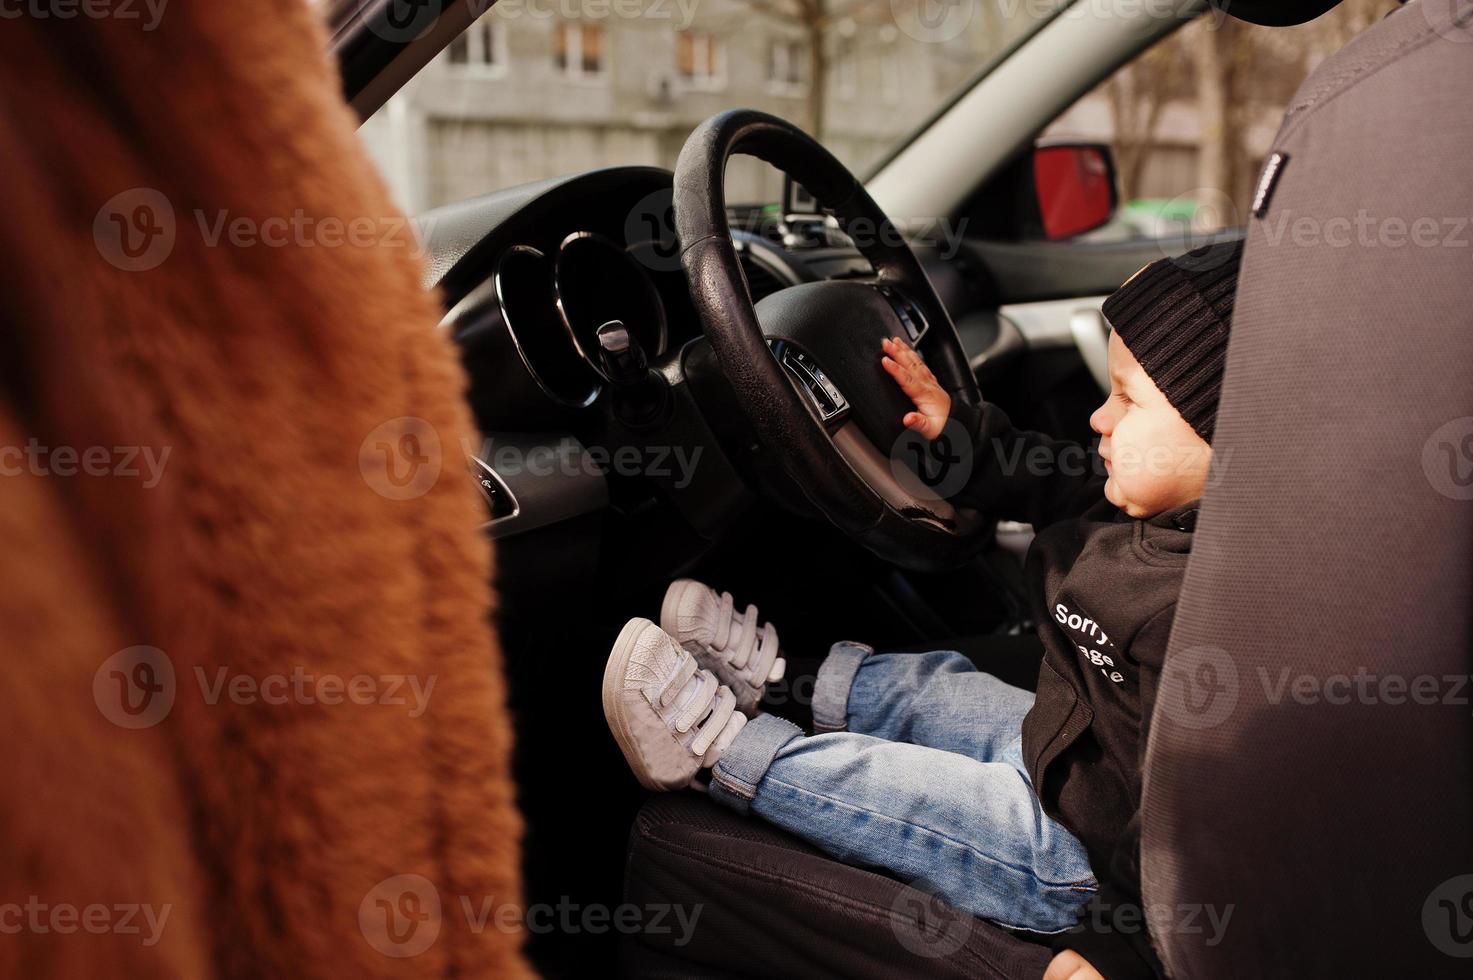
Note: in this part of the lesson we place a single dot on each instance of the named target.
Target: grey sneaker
(742, 653)
(670, 718)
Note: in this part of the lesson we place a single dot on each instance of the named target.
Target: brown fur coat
(264, 558)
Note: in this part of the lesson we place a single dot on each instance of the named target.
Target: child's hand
(933, 404)
(1069, 965)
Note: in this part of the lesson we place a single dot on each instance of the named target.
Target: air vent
(761, 281)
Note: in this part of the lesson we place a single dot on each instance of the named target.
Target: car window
(1191, 120)
(540, 88)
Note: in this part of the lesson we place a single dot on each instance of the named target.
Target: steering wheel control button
(910, 316)
(498, 496)
(822, 393)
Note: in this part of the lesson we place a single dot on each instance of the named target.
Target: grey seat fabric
(1310, 767)
(772, 905)
(760, 903)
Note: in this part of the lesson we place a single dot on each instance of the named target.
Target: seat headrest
(1274, 13)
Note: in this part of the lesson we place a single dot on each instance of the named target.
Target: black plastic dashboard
(529, 274)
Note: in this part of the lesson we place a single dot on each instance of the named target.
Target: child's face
(1154, 458)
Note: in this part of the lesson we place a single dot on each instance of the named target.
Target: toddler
(1020, 808)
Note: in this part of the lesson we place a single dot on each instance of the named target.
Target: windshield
(540, 88)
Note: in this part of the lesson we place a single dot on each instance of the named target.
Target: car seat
(1336, 536)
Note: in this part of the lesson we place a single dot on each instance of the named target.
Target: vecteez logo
(933, 469)
(926, 924)
(1447, 459)
(135, 231)
(651, 225)
(407, 20)
(402, 458)
(1451, 20)
(138, 230)
(1198, 687)
(1447, 916)
(932, 21)
(401, 915)
(135, 688)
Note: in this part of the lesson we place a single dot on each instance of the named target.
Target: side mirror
(1075, 183)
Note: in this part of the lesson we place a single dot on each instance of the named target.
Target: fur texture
(263, 551)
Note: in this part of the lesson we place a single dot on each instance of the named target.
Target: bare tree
(1333, 31)
(1219, 52)
(1246, 75)
(1237, 78)
(1138, 94)
(815, 18)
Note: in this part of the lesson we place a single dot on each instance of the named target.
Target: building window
(482, 48)
(580, 50)
(787, 67)
(890, 73)
(700, 60)
(846, 67)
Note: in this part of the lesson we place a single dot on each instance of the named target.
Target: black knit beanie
(1175, 315)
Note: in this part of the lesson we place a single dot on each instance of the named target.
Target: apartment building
(537, 88)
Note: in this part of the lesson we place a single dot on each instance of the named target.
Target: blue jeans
(917, 769)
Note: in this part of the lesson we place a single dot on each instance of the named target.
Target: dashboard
(530, 274)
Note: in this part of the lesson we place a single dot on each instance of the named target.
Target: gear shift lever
(640, 394)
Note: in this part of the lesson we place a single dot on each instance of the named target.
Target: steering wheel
(804, 363)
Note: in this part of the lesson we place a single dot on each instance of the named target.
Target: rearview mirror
(1075, 183)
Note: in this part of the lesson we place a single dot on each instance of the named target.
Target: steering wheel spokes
(910, 314)
(804, 362)
(823, 395)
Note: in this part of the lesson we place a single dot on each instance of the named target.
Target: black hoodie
(1103, 589)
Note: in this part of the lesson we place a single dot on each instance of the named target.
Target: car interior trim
(1049, 323)
(499, 286)
(640, 281)
(998, 117)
